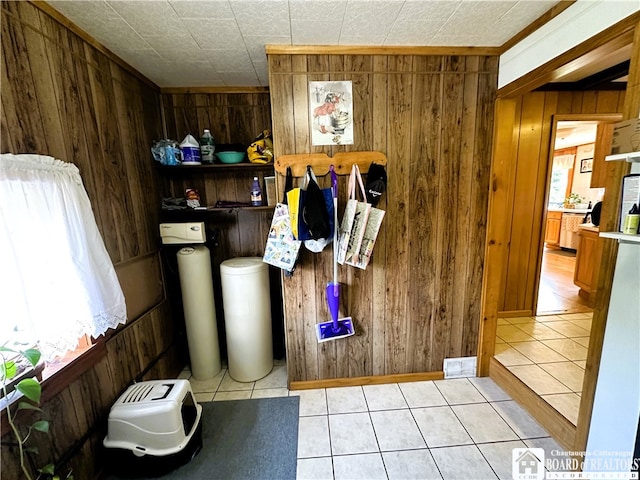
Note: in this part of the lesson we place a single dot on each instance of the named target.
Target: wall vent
(460, 367)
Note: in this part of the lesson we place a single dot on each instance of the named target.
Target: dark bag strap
(288, 185)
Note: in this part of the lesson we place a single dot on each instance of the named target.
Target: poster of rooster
(331, 111)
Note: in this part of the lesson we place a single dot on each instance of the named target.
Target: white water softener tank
(194, 267)
(247, 317)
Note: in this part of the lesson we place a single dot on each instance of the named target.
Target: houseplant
(22, 365)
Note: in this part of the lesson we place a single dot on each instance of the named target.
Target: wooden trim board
(186, 90)
(377, 50)
(320, 162)
(370, 380)
(561, 429)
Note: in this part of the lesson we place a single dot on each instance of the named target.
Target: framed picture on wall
(331, 113)
(586, 165)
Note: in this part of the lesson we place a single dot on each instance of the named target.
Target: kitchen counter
(582, 211)
(589, 227)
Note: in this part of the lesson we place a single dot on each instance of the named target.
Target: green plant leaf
(32, 449)
(30, 388)
(8, 369)
(48, 469)
(7, 349)
(41, 426)
(32, 355)
(28, 406)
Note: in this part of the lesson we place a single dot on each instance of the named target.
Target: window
(57, 283)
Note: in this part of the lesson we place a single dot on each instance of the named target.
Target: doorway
(569, 199)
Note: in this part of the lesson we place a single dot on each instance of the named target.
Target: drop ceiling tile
(266, 17)
(486, 40)
(325, 11)
(240, 79)
(229, 60)
(149, 18)
(117, 35)
(197, 9)
(92, 11)
(370, 18)
(412, 33)
(414, 10)
(256, 45)
(348, 39)
(214, 34)
(474, 18)
(314, 33)
(175, 47)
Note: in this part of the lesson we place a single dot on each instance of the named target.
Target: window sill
(59, 375)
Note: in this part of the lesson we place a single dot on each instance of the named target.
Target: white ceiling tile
(370, 18)
(240, 79)
(176, 47)
(78, 11)
(476, 17)
(415, 10)
(256, 45)
(266, 17)
(213, 34)
(116, 34)
(324, 11)
(229, 60)
(314, 33)
(464, 40)
(149, 17)
(362, 40)
(217, 9)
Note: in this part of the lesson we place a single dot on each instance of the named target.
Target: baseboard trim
(561, 429)
(369, 380)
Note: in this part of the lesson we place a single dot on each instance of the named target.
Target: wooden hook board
(320, 162)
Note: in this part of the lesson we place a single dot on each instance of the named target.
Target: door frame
(601, 118)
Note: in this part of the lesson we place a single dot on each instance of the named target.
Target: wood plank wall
(418, 302)
(530, 145)
(63, 97)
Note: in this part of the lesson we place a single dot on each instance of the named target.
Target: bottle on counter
(207, 146)
(256, 193)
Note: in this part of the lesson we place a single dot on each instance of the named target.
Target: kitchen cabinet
(552, 229)
(588, 258)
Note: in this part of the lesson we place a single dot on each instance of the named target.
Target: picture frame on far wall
(586, 165)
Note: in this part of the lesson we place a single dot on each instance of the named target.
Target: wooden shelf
(208, 210)
(624, 157)
(622, 237)
(215, 167)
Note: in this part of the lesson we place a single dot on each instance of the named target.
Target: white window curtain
(57, 282)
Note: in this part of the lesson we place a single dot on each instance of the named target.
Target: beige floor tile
(237, 395)
(499, 340)
(581, 363)
(538, 352)
(583, 322)
(567, 348)
(314, 468)
(312, 402)
(538, 380)
(270, 393)
(509, 356)
(567, 404)
(502, 321)
(548, 318)
(539, 331)
(577, 316)
(511, 333)
(584, 341)
(568, 329)
(568, 373)
(519, 320)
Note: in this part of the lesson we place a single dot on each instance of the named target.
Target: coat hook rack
(320, 162)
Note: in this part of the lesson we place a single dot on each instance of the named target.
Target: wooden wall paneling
(300, 112)
(37, 55)
(21, 83)
(221, 129)
(379, 109)
(425, 150)
(399, 201)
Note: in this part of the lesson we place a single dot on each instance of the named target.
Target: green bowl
(230, 157)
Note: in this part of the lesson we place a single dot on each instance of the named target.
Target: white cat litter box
(154, 427)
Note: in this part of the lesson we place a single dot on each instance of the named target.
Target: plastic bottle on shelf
(207, 146)
(256, 193)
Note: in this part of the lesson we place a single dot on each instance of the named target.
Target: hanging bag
(354, 221)
(282, 248)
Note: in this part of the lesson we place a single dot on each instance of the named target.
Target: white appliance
(180, 233)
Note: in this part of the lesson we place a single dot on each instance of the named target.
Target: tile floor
(548, 354)
(445, 429)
